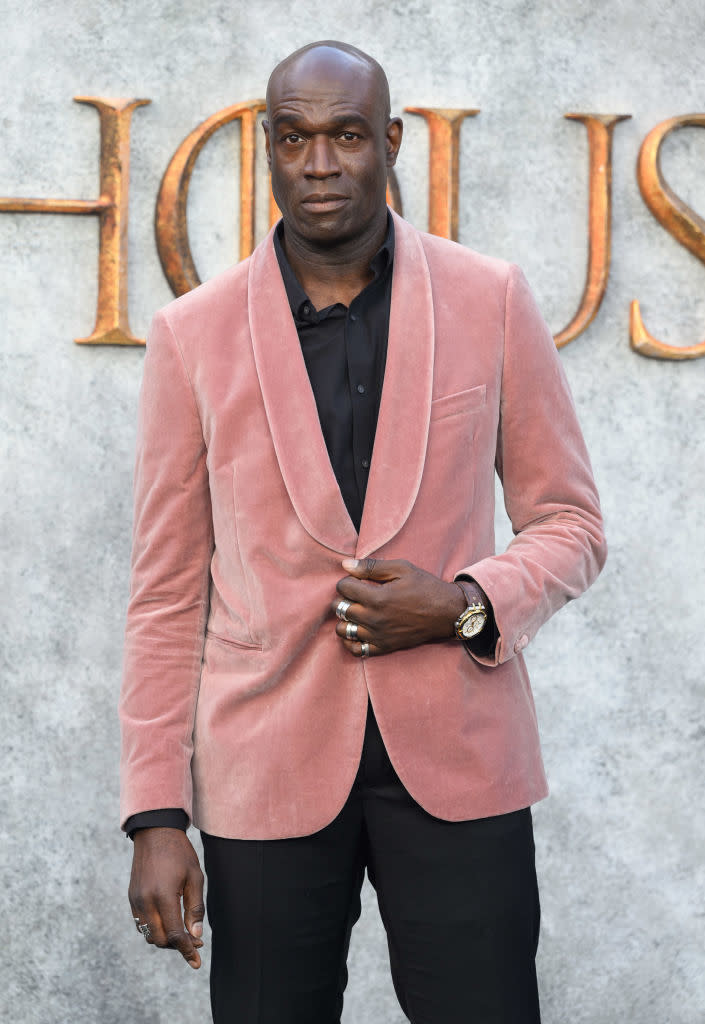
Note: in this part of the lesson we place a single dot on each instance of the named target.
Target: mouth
(324, 202)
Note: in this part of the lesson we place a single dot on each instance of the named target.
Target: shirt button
(353, 317)
(365, 463)
(307, 309)
(361, 389)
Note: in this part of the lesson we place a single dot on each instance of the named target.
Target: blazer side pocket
(242, 645)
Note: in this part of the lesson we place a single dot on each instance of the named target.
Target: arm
(549, 493)
(551, 499)
(172, 548)
(411, 608)
(167, 610)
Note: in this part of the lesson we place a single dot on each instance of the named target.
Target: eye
(293, 138)
(349, 136)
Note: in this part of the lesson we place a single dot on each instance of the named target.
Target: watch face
(473, 624)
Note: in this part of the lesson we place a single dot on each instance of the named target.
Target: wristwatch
(472, 620)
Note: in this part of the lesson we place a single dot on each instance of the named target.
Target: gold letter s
(678, 219)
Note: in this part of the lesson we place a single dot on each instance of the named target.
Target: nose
(321, 158)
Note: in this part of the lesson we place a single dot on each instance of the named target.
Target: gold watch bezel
(472, 621)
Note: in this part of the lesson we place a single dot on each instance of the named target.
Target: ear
(395, 130)
(267, 145)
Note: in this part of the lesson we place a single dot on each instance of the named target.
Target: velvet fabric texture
(239, 702)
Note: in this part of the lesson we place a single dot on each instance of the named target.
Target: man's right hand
(165, 869)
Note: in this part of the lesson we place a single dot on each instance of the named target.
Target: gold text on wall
(444, 127)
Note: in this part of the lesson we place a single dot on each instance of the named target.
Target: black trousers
(458, 900)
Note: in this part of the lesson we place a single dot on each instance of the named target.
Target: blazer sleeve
(168, 605)
(549, 492)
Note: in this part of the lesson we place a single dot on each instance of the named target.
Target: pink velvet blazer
(239, 703)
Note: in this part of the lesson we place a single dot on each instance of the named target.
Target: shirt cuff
(168, 817)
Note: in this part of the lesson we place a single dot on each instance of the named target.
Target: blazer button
(521, 643)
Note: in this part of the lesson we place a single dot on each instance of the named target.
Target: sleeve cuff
(168, 817)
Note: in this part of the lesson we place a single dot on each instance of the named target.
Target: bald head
(330, 57)
(330, 142)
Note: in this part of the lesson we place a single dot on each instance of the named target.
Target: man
(345, 395)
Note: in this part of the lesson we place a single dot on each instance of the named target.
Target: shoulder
(443, 250)
(453, 266)
(220, 296)
(470, 279)
(451, 262)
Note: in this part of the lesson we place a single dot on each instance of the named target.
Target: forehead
(324, 83)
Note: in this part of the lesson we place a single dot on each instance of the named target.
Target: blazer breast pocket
(459, 402)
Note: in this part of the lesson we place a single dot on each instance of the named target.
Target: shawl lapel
(402, 428)
(399, 450)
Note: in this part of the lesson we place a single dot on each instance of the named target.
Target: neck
(336, 273)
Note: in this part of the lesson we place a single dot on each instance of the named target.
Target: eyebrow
(337, 121)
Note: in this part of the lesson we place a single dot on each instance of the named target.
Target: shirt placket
(358, 342)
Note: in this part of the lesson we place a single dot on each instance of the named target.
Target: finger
(149, 915)
(140, 923)
(364, 596)
(194, 910)
(356, 649)
(176, 937)
(360, 632)
(382, 570)
(187, 946)
(135, 916)
(162, 911)
(141, 917)
(147, 929)
(356, 591)
(353, 610)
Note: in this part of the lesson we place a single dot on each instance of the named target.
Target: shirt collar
(380, 264)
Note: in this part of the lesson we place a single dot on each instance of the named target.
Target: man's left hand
(395, 605)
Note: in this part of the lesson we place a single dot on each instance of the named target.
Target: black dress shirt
(345, 351)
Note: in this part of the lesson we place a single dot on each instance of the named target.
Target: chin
(325, 230)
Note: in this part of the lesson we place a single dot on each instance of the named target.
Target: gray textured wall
(618, 675)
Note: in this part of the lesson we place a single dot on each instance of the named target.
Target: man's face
(329, 145)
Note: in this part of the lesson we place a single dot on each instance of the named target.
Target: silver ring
(351, 630)
(144, 928)
(342, 609)
(364, 649)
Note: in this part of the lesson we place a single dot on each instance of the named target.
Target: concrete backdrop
(617, 676)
